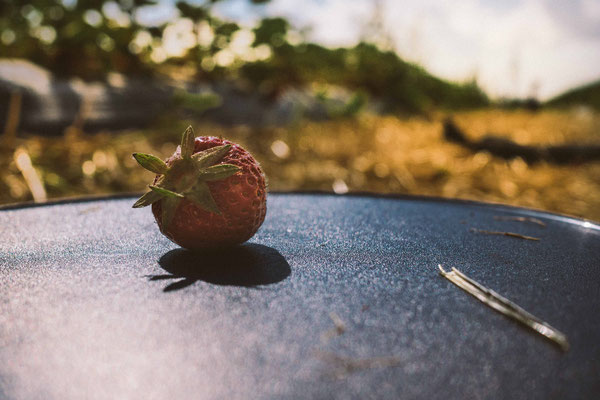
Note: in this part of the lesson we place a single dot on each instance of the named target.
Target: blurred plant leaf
(195, 13)
(198, 102)
(268, 29)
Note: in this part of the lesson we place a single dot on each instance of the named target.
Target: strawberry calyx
(185, 177)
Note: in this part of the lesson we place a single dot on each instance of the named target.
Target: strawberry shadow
(247, 265)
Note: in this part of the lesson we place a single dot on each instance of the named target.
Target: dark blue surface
(96, 303)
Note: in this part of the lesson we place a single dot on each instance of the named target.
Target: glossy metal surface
(335, 297)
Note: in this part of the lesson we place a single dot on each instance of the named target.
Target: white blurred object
(339, 186)
(280, 149)
(36, 187)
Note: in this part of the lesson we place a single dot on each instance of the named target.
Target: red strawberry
(209, 193)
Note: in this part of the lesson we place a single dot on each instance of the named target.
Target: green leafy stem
(186, 177)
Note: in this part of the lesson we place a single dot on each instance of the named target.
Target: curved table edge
(587, 223)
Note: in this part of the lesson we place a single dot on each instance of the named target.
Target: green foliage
(195, 13)
(74, 40)
(584, 95)
(270, 31)
(355, 104)
(352, 107)
(366, 68)
(198, 102)
(226, 29)
(90, 38)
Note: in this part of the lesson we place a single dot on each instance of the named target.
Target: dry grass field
(368, 153)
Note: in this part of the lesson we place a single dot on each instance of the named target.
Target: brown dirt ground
(369, 153)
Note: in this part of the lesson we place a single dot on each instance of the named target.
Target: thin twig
(339, 327)
(505, 306)
(520, 219)
(89, 210)
(511, 234)
(347, 365)
(74, 130)
(13, 116)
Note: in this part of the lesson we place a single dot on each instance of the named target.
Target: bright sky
(514, 48)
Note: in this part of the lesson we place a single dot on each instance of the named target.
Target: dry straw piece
(511, 234)
(520, 219)
(505, 306)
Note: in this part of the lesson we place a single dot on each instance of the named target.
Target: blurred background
(478, 99)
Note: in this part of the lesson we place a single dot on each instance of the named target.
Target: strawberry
(210, 193)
